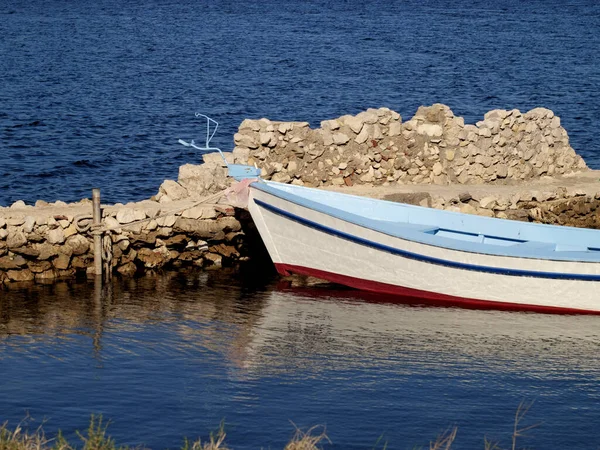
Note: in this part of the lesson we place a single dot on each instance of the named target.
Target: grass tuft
(216, 441)
(444, 441)
(96, 437)
(21, 439)
(309, 440)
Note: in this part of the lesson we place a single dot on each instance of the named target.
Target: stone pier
(510, 165)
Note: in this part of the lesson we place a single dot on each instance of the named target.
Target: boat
(417, 253)
(414, 252)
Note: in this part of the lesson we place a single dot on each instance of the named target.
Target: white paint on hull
(293, 243)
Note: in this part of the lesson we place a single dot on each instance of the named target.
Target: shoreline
(510, 166)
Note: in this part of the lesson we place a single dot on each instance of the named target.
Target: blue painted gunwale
(412, 223)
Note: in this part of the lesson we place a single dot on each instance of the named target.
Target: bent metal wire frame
(237, 171)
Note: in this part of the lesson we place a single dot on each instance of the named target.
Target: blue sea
(97, 93)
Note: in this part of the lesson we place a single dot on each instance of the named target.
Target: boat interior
(450, 229)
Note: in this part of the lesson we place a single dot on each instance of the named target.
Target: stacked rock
(196, 181)
(38, 244)
(557, 206)
(376, 147)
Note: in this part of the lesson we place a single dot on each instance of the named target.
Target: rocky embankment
(376, 148)
(509, 165)
(48, 242)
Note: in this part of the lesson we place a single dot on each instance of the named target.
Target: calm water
(171, 356)
(96, 93)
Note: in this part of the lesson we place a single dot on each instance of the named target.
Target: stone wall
(196, 180)
(44, 243)
(376, 147)
(562, 206)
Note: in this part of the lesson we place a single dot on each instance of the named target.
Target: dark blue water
(172, 356)
(96, 93)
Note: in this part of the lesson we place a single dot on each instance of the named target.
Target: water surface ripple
(96, 93)
(172, 355)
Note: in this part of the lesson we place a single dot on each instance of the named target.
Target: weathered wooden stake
(97, 221)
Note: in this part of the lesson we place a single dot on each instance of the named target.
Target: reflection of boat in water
(284, 328)
(423, 253)
(345, 328)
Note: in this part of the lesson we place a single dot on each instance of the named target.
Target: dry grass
(309, 440)
(97, 438)
(216, 441)
(444, 441)
(21, 439)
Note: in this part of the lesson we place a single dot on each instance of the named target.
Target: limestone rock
(217, 158)
(206, 228)
(244, 140)
(112, 224)
(20, 275)
(12, 262)
(153, 258)
(432, 130)
(340, 138)
(355, 123)
(362, 136)
(467, 209)
(331, 124)
(127, 269)
(173, 190)
(151, 225)
(395, 129)
(45, 276)
(193, 213)
(249, 124)
(214, 259)
(199, 180)
(16, 239)
(268, 139)
(27, 250)
(39, 266)
(127, 215)
(167, 221)
(240, 155)
(281, 177)
(46, 250)
(78, 244)
(502, 170)
(18, 205)
(29, 224)
(487, 202)
(62, 261)
(56, 236)
(15, 221)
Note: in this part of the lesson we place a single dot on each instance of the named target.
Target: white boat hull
(305, 241)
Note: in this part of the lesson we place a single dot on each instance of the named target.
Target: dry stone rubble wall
(38, 244)
(376, 147)
(562, 206)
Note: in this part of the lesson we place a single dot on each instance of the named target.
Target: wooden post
(97, 221)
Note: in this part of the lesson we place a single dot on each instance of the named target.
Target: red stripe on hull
(405, 294)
